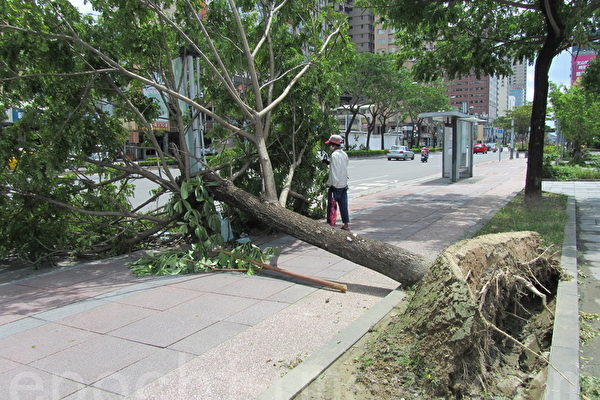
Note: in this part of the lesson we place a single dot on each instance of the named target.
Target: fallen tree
(392, 261)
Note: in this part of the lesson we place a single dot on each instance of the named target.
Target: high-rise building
(512, 89)
(361, 25)
(581, 57)
(475, 96)
(385, 39)
(517, 83)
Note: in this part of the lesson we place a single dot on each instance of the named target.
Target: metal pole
(512, 137)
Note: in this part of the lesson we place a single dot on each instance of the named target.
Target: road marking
(368, 179)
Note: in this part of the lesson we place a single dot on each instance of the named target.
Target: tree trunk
(401, 265)
(383, 126)
(348, 129)
(554, 37)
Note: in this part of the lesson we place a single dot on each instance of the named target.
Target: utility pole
(512, 137)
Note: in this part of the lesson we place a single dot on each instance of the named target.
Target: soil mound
(477, 326)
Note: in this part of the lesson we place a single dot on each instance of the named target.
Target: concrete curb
(298, 378)
(562, 382)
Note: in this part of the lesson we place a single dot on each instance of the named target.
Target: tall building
(512, 89)
(581, 57)
(385, 39)
(517, 83)
(475, 96)
(361, 25)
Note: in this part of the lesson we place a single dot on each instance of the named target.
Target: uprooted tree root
(479, 322)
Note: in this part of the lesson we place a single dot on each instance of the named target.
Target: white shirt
(338, 170)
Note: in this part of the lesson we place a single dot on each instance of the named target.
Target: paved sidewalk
(95, 332)
(587, 198)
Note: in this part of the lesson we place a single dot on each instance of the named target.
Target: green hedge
(150, 161)
(365, 153)
(570, 173)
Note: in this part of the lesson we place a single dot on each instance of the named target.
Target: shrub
(156, 160)
(569, 173)
(365, 153)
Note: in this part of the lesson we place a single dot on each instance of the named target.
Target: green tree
(590, 80)
(85, 74)
(482, 37)
(266, 67)
(520, 117)
(578, 115)
(421, 98)
(353, 86)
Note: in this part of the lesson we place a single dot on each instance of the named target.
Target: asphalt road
(368, 174)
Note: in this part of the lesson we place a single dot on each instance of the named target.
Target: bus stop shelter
(459, 134)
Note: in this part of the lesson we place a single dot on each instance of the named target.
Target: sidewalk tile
(213, 307)
(208, 282)
(91, 393)
(159, 298)
(7, 365)
(257, 312)
(39, 342)
(14, 291)
(27, 383)
(163, 329)
(254, 287)
(8, 318)
(143, 372)
(107, 318)
(94, 359)
(209, 337)
(293, 293)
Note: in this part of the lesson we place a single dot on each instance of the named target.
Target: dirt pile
(477, 326)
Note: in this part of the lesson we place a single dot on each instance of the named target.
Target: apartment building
(361, 25)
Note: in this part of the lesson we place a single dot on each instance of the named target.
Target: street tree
(520, 116)
(385, 89)
(590, 81)
(353, 86)
(79, 78)
(579, 117)
(460, 38)
(423, 97)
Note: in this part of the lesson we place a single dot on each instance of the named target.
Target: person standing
(338, 180)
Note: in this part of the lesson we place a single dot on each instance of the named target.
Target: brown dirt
(456, 336)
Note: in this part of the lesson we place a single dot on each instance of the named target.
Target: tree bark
(401, 265)
(554, 37)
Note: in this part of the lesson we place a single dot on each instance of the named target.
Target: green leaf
(200, 232)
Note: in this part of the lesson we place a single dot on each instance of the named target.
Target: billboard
(580, 60)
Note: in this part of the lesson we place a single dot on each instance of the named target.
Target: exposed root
(473, 316)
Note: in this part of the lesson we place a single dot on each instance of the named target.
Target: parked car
(491, 147)
(480, 148)
(400, 153)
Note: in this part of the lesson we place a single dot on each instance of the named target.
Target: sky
(560, 72)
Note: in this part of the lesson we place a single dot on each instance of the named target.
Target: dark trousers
(341, 197)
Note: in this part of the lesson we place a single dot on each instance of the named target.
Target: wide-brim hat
(335, 139)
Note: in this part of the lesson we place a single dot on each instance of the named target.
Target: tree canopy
(578, 116)
(459, 38)
(265, 85)
(257, 77)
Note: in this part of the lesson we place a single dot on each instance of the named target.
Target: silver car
(400, 153)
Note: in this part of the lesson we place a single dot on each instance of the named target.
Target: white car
(400, 153)
(491, 147)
